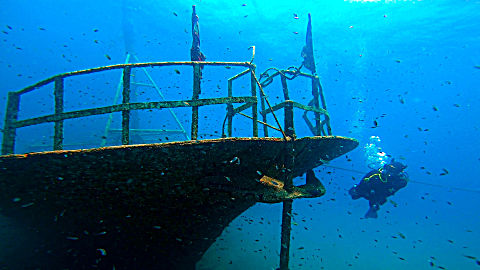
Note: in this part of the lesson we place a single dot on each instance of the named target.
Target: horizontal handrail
(131, 106)
(132, 65)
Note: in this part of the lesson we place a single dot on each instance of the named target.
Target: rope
(268, 103)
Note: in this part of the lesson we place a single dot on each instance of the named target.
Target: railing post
(289, 163)
(126, 99)
(9, 130)
(230, 110)
(58, 93)
(317, 90)
(289, 127)
(253, 84)
(197, 69)
(264, 116)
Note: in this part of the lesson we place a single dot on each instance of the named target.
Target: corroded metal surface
(150, 206)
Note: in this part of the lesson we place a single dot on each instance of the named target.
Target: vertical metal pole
(289, 163)
(289, 127)
(197, 71)
(126, 99)
(318, 125)
(230, 110)
(58, 93)
(319, 90)
(9, 130)
(253, 84)
(264, 116)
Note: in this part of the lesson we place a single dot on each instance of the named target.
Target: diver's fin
(311, 178)
(371, 213)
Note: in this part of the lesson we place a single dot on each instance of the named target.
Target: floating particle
(102, 251)
(295, 32)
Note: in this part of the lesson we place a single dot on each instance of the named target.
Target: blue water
(412, 66)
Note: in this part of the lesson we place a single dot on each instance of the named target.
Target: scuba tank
(374, 155)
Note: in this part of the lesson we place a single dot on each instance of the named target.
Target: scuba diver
(378, 185)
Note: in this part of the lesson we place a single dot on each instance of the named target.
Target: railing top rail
(132, 65)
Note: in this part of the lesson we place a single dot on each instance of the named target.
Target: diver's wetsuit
(376, 186)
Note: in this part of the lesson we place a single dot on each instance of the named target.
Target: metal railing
(13, 102)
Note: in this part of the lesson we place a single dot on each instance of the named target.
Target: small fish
(41, 28)
(175, 14)
(470, 257)
(477, 67)
(108, 57)
(456, 105)
(102, 251)
(95, 30)
(296, 33)
(395, 204)
(401, 235)
(375, 123)
(177, 71)
(9, 27)
(401, 258)
(435, 108)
